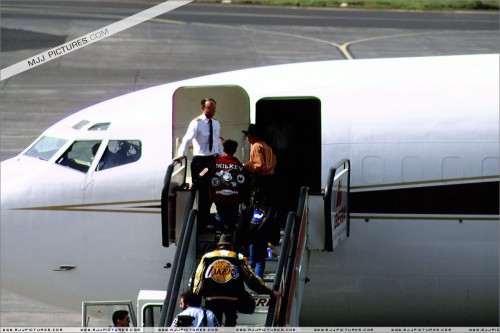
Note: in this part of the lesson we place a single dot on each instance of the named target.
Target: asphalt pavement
(190, 41)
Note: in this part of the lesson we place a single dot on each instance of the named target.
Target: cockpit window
(45, 148)
(99, 127)
(79, 155)
(120, 152)
(80, 124)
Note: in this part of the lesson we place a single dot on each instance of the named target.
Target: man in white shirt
(194, 315)
(204, 133)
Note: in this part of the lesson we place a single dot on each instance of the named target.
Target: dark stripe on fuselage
(453, 199)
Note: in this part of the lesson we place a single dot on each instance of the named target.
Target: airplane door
(293, 129)
(336, 207)
(233, 113)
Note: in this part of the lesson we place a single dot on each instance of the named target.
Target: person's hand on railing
(178, 159)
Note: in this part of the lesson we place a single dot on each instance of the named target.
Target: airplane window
(80, 124)
(373, 169)
(490, 166)
(45, 148)
(120, 152)
(79, 155)
(99, 127)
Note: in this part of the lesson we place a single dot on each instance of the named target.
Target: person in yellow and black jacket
(220, 279)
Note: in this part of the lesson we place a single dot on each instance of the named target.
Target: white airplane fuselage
(422, 136)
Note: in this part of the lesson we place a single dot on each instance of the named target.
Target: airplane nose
(17, 178)
(9, 179)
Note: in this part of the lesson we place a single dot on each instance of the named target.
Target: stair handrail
(185, 232)
(283, 316)
(282, 319)
(184, 247)
(166, 195)
(275, 304)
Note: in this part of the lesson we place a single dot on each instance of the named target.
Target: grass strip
(455, 5)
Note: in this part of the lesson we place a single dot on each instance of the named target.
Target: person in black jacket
(220, 278)
(227, 186)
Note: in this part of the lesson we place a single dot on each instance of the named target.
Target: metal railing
(178, 266)
(279, 310)
(168, 195)
(167, 205)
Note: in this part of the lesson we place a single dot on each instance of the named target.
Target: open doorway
(233, 113)
(293, 129)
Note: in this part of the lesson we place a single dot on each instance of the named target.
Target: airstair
(286, 273)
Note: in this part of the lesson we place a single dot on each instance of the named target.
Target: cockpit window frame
(118, 153)
(100, 127)
(80, 154)
(45, 147)
(81, 124)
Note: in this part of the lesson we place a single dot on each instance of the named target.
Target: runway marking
(344, 51)
(92, 37)
(343, 48)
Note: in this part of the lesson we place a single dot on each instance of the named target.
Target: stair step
(258, 318)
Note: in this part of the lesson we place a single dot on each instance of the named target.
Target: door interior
(293, 129)
(233, 113)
